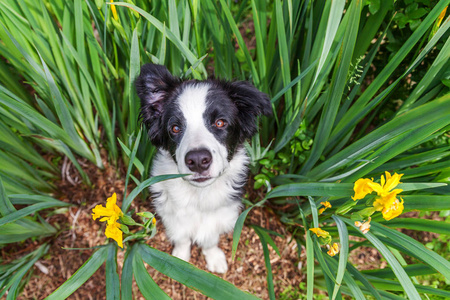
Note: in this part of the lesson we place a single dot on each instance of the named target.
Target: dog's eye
(220, 123)
(176, 129)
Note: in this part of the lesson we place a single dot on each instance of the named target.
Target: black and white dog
(199, 128)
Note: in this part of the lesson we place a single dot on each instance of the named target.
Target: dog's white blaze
(192, 103)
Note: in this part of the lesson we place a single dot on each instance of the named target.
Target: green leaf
(262, 236)
(400, 273)
(185, 273)
(414, 248)
(134, 71)
(413, 119)
(312, 189)
(127, 275)
(427, 202)
(240, 41)
(132, 158)
(419, 225)
(147, 286)
(412, 270)
(13, 281)
(112, 277)
(80, 276)
(6, 206)
(30, 210)
(343, 253)
(170, 35)
(238, 230)
(145, 184)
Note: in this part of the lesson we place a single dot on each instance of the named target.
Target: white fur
(195, 212)
(197, 136)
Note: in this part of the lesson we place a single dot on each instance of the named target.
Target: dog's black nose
(198, 160)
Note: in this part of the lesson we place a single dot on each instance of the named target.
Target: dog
(199, 128)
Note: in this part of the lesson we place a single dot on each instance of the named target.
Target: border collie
(199, 128)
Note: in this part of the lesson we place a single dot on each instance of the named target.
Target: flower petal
(333, 250)
(393, 181)
(112, 231)
(393, 210)
(362, 187)
(100, 211)
(319, 232)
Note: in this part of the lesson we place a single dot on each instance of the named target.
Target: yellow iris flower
(326, 205)
(111, 213)
(441, 17)
(333, 250)
(386, 200)
(320, 233)
(384, 188)
(393, 210)
(362, 188)
(364, 226)
(114, 11)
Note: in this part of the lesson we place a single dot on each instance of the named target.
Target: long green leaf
(112, 277)
(262, 236)
(170, 35)
(238, 230)
(416, 249)
(80, 276)
(147, 286)
(400, 273)
(145, 184)
(413, 119)
(185, 273)
(420, 225)
(30, 210)
(343, 254)
(127, 275)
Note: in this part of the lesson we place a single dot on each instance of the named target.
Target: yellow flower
(387, 201)
(333, 250)
(326, 205)
(441, 17)
(384, 188)
(364, 226)
(362, 188)
(394, 210)
(320, 233)
(113, 231)
(111, 213)
(114, 11)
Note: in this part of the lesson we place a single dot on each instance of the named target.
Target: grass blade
(400, 273)
(112, 277)
(262, 236)
(343, 254)
(185, 273)
(148, 287)
(238, 230)
(145, 184)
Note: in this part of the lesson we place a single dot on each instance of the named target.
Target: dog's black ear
(153, 85)
(250, 103)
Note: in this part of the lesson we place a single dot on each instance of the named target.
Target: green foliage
(357, 88)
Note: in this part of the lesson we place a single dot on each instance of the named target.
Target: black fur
(237, 102)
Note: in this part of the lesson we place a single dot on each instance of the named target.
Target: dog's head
(200, 123)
